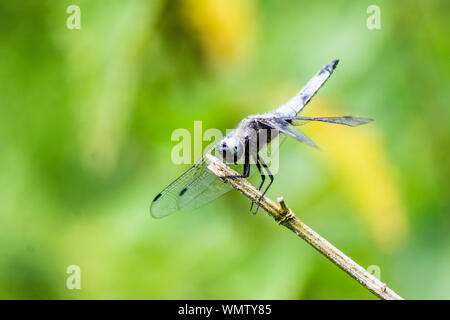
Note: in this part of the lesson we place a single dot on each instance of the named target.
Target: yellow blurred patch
(357, 156)
(224, 27)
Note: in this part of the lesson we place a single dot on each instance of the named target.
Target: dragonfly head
(231, 149)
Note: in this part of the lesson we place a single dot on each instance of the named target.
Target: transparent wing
(346, 120)
(288, 129)
(167, 201)
(194, 188)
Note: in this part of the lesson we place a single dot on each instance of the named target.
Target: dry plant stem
(284, 216)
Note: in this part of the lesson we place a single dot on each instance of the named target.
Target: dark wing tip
(152, 213)
(157, 196)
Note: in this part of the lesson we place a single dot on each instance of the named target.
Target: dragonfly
(242, 147)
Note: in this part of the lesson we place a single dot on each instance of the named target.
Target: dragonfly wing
(204, 189)
(346, 120)
(194, 188)
(166, 202)
(288, 129)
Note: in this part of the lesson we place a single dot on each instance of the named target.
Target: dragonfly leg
(246, 171)
(268, 186)
(263, 178)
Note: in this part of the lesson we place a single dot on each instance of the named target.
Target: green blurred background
(86, 118)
